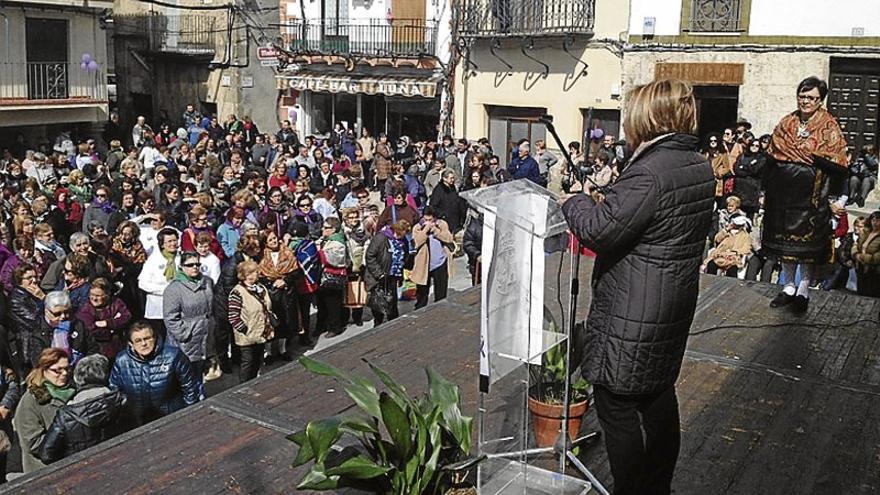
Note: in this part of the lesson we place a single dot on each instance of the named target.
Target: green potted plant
(404, 445)
(547, 392)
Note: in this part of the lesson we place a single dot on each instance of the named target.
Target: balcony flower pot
(547, 420)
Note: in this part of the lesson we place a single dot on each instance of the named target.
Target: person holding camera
(434, 247)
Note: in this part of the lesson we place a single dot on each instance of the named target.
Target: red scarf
(822, 138)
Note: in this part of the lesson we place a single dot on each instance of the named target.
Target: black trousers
(440, 277)
(712, 269)
(641, 463)
(251, 360)
(330, 311)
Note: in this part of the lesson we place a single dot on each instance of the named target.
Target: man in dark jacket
(91, 416)
(472, 243)
(447, 203)
(523, 166)
(648, 235)
(157, 379)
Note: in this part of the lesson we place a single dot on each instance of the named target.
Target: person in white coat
(158, 271)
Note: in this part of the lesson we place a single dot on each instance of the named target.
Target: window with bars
(716, 16)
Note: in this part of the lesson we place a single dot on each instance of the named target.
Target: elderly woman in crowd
(48, 389)
(249, 311)
(334, 278)
(278, 268)
(129, 256)
(99, 210)
(866, 257)
(105, 317)
(187, 310)
(25, 308)
(384, 264)
(76, 280)
(89, 417)
(157, 273)
(157, 379)
(57, 328)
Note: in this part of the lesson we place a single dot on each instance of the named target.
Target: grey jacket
(32, 419)
(189, 317)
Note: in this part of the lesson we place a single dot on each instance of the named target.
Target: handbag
(333, 279)
(355, 294)
(381, 299)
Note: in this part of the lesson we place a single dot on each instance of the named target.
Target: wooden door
(408, 24)
(854, 99)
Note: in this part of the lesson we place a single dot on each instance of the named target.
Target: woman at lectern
(648, 234)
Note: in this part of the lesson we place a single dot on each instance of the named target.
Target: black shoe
(269, 360)
(799, 306)
(781, 299)
(225, 365)
(305, 340)
(286, 356)
(359, 322)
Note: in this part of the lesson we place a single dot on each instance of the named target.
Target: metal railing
(716, 16)
(374, 37)
(24, 82)
(497, 18)
(173, 33)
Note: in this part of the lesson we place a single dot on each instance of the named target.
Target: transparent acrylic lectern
(518, 327)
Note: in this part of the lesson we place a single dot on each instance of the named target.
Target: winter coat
(382, 160)
(33, 417)
(449, 206)
(110, 338)
(152, 281)
(868, 248)
(94, 213)
(80, 341)
(188, 315)
(394, 213)
(312, 220)
(747, 184)
(422, 262)
(25, 310)
(525, 168)
(377, 261)
(156, 386)
(91, 416)
(472, 242)
(228, 237)
(649, 236)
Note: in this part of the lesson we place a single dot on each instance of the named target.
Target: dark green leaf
(305, 453)
(324, 369)
(322, 434)
(317, 480)
(367, 400)
(445, 394)
(358, 467)
(398, 426)
(360, 425)
(397, 390)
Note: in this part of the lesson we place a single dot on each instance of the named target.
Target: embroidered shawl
(824, 140)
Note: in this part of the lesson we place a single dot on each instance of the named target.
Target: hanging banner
(389, 86)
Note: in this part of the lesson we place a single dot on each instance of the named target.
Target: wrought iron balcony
(187, 34)
(716, 16)
(370, 37)
(500, 18)
(34, 83)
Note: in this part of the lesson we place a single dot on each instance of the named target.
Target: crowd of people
(851, 258)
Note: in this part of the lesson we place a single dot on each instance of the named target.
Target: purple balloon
(84, 66)
(86, 58)
(597, 133)
(93, 65)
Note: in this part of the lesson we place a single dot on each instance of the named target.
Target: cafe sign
(354, 85)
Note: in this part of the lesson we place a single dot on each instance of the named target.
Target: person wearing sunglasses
(803, 188)
(57, 328)
(99, 210)
(48, 388)
(187, 307)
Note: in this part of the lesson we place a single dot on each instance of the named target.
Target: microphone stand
(563, 444)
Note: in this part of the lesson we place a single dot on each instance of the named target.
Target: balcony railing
(716, 16)
(173, 33)
(50, 82)
(371, 37)
(499, 18)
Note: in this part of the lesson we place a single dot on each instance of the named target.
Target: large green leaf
(397, 390)
(322, 434)
(358, 467)
(359, 389)
(324, 369)
(445, 394)
(367, 400)
(360, 425)
(398, 426)
(316, 479)
(305, 453)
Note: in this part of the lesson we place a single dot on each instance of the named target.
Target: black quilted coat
(648, 235)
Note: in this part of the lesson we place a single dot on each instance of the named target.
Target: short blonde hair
(246, 268)
(658, 108)
(735, 200)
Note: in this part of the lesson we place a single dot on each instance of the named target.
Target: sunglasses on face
(191, 265)
(60, 313)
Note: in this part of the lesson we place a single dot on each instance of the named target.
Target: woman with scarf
(187, 306)
(24, 254)
(99, 210)
(279, 178)
(384, 263)
(276, 213)
(198, 223)
(79, 188)
(158, 271)
(72, 211)
(48, 389)
(25, 307)
(334, 278)
(307, 279)
(356, 239)
(248, 313)
(806, 170)
(230, 231)
(128, 255)
(105, 317)
(278, 274)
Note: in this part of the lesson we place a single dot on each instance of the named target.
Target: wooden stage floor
(772, 403)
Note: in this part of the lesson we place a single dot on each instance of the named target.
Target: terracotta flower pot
(547, 420)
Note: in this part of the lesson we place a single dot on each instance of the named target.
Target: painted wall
(814, 17)
(667, 15)
(769, 82)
